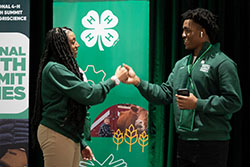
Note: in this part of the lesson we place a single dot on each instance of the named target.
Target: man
(202, 117)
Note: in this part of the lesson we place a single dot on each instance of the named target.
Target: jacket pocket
(186, 121)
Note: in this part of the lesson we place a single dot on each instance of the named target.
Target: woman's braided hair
(57, 49)
(206, 19)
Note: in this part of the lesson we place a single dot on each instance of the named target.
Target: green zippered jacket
(58, 86)
(214, 80)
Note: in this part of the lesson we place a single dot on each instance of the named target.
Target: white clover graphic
(100, 29)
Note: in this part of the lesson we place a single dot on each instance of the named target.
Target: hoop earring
(201, 34)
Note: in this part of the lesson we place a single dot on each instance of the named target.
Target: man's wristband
(116, 80)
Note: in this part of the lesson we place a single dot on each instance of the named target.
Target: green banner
(14, 82)
(14, 59)
(111, 33)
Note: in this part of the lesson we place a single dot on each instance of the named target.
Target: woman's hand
(87, 154)
(121, 73)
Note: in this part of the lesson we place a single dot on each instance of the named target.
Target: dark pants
(202, 153)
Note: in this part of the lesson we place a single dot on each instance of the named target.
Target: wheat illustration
(118, 138)
(143, 140)
(130, 134)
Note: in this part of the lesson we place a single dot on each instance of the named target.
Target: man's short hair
(206, 19)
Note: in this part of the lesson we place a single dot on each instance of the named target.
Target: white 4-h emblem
(100, 29)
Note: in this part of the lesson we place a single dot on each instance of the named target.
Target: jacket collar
(205, 46)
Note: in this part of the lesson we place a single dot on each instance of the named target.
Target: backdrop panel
(14, 82)
(111, 33)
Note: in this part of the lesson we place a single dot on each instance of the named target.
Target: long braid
(37, 114)
(77, 116)
(57, 48)
(76, 112)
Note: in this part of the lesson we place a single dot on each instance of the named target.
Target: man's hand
(87, 154)
(132, 77)
(186, 102)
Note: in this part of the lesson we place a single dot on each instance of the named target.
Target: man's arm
(157, 94)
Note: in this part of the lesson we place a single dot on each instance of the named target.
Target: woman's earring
(201, 34)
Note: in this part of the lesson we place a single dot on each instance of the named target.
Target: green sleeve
(82, 92)
(83, 144)
(86, 131)
(229, 98)
(87, 126)
(157, 94)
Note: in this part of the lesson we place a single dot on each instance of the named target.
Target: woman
(62, 100)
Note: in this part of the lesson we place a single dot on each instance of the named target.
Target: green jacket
(214, 80)
(58, 86)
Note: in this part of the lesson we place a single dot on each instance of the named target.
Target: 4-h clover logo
(100, 30)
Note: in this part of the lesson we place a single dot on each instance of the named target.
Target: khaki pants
(58, 150)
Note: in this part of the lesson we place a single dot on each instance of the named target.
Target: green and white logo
(100, 30)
